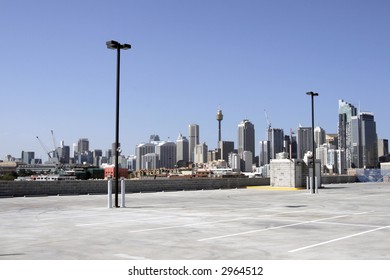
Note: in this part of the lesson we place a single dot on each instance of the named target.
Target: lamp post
(312, 135)
(114, 45)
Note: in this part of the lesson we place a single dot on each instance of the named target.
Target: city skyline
(243, 57)
(82, 145)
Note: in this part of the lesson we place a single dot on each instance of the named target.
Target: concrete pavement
(348, 221)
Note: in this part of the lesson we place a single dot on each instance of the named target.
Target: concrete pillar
(123, 193)
(109, 196)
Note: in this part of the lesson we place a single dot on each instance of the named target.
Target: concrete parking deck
(349, 221)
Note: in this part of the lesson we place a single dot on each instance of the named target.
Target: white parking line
(337, 239)
(69, 216)
(348, 224)
(210, 223)
(271, 228)
(188, 225)
(121, 221)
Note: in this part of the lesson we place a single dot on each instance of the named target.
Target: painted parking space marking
(188, 225)
(121, 221)
(271, 228)
(338, 239)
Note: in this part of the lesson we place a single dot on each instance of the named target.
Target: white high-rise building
(150, 161)
(234, 162)
(141, 150)
(166, 152)
(182, 149)
(319, 136)
(200, 153)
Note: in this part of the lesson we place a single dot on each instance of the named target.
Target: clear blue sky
(188, 58)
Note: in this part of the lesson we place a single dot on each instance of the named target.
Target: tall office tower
(182, 149)
(341, 168)
(200, 153)
(383, 147)
(246, 138)
(332, 160)
(355, 147)
(193, 134)
(369, 140)
(219, 119)
(319, 136)
(294, 146)
(276, 139)
(97, 153)
(322, 155)
(113, 150)
(83, 145)
(64, 153)
(264, 157)
(346, 112)
(97, 157)
(108, 155)
(286, 144)
(246, 161)
(290, 145)
(235, 162)
(304, 141)
(27, 157)
(75, 149)
(166, 152)
(226, 148)
(141, 150)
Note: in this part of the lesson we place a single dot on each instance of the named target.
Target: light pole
(114, 45)
(312, 135)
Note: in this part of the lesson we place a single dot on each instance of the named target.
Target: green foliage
(9, 176)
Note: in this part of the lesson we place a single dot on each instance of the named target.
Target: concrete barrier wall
(42, 188)
(338, 179)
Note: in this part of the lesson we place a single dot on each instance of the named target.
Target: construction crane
(55, 152)
(44, 148)
(267, 119)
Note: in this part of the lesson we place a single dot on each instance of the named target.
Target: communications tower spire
(219, 119)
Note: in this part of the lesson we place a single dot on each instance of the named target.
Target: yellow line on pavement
(270, 188)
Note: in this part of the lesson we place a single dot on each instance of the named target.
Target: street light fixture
(312, 94)
(114, 45)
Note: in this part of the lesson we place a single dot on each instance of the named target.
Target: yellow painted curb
(269, 188)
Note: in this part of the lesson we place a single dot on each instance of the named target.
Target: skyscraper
(166, 152)
(141, 150)
(246, 138)
(369, 140)
(200, 153)
(304, 141)
(64, 153)
(193, 134)
(264, 153)
(226, 147)
(319, 136)
(182, 149)
(356, 147)
(83, 145)
(346, 112)
(27, 157)
(276, 139)
(383, 147)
